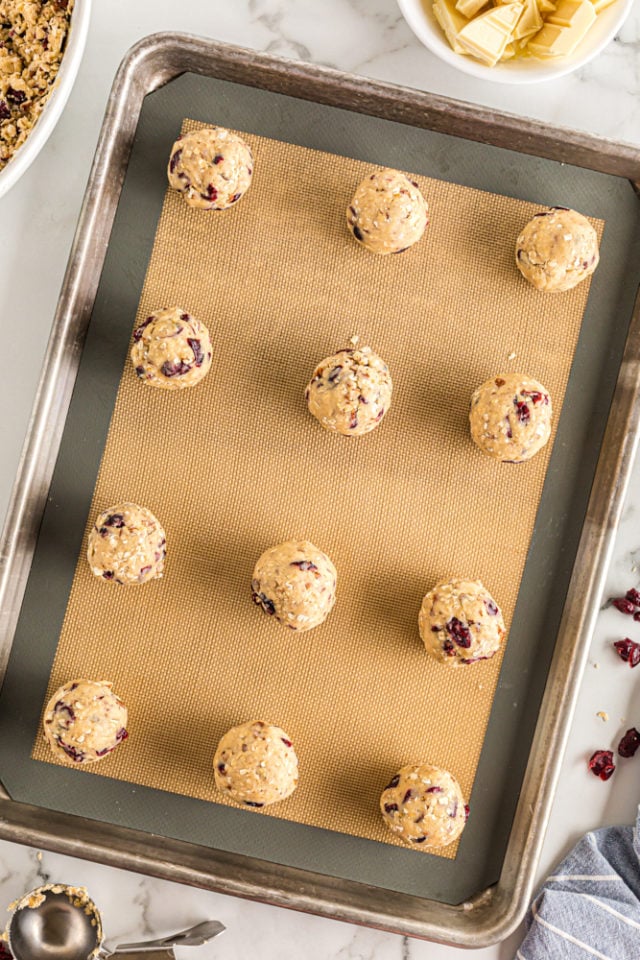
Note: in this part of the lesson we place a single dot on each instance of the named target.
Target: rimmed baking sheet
(541, 596)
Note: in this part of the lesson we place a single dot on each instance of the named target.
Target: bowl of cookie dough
(39, 62)
(524, 41)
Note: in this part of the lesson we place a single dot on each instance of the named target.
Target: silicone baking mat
(238, 464)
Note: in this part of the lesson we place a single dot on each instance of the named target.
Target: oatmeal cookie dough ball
(350, 392)
(510, 417)
(424, 806)
(255, 764)
(84, 721)
(295, 583)
(171, 350)
(460, 623)
(212, 168)
(557, 249)
(127, 545)
(388, 213)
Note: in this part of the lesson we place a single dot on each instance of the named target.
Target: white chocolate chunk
(546, 6)
(484, 42)
(553, 41)
(575, 15)
(564, 29)
(470, 7)
(487, 36)
(450, 21)
(505, 18)
(600, 5)
(530, 21)
(509, 52)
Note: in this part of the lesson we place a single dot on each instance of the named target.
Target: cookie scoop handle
(143, 954)
(193, 937)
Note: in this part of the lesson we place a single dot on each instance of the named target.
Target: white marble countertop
(37, 220)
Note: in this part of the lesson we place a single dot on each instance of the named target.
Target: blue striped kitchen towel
(590, 907)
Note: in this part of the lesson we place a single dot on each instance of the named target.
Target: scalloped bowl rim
(420, 18)
(56, 103)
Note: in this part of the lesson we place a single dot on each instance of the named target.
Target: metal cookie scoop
(58, 922)
(54, 922)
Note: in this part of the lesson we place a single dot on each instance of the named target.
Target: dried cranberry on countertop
(629, 743)
(624, 605)
(628, 650)
(629, 604)
(601, 764)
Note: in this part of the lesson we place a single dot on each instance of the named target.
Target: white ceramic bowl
(69, 66)
(419, 16)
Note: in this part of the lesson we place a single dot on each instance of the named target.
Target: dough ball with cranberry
(255, 764)
(424, 806)
(211, 168)
(557, 249)
(295, 583)
(127, 545)
(510, 417)
(350, 392)
(84, 721)
(171, 350)
(460, 623)
(387, 213)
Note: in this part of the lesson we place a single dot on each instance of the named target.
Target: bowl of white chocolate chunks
(516, 41)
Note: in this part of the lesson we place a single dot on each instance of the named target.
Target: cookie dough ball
(84, 721)
(295, 583)
(510, 417)
(127, 545)
(387, 214)
(350, 392)
(424, 806)
(255, 764)
(557, 249)
(171, 350)
(212, 168)
(460, 623)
